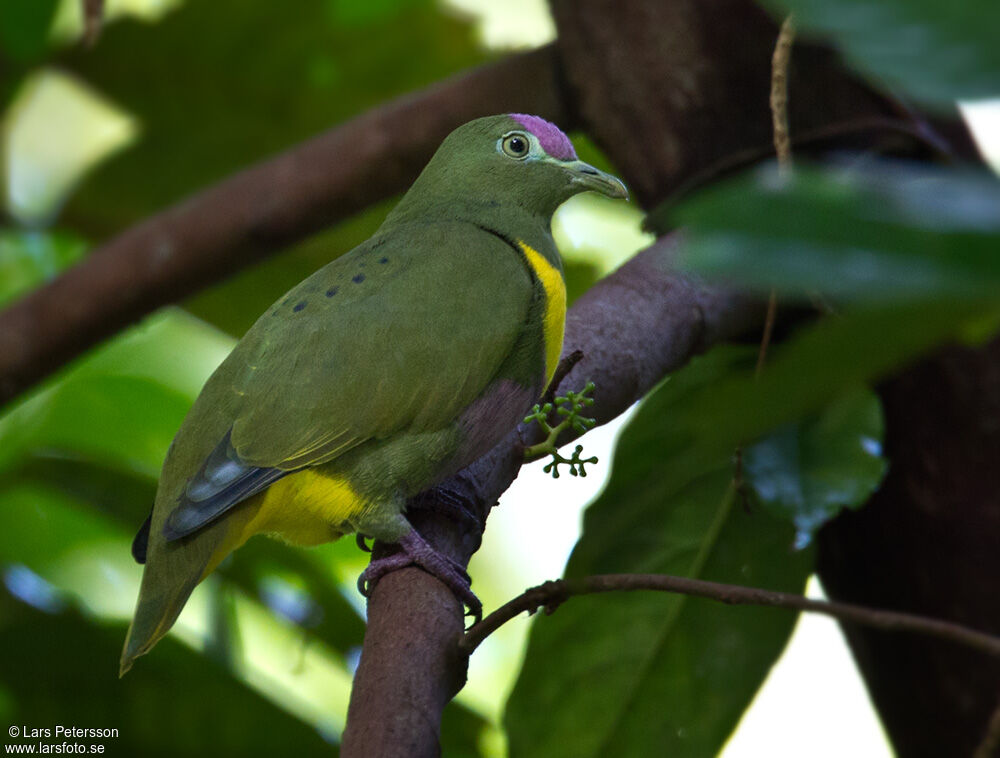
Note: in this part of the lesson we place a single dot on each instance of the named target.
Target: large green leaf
(25, 26)
(808, 471)
(641, 674)
(58, 669)
(24, 40)
(217, 84)
(884, 232)
(815, 367)
(935, 51)
(121, 405)
(99, 434)
(116, 420)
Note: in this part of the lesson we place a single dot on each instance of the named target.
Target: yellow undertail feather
(305, 508)
(555, 306)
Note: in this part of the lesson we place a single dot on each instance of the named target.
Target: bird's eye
(516, 145)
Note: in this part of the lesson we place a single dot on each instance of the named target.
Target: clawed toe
(415, 550)
(379, 567)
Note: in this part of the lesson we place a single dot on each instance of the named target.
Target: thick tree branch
(242, 219)
(551, 595)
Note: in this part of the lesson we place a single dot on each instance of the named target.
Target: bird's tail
(173, 570)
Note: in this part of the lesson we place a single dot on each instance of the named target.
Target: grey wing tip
(222, 482)
(183, 521)
(141, 541)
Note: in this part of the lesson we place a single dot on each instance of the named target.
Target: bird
(374, 379)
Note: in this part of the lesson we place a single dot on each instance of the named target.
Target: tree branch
(250, 215)
(552, 594)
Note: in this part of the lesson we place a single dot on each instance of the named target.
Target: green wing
(400, 334)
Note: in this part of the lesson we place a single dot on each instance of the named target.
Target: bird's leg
(448, 504)
(416, 550)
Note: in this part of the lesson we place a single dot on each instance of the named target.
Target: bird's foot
(416, 551)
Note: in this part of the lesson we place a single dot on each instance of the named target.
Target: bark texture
(929, 542)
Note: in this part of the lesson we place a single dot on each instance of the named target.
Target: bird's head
(513, 160)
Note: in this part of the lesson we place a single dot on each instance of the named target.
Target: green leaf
(30, 258)
(122, 421)
(121, 405)
(25, 27)
(935, 51)
(652, 673)
(125, 498)
(813, 368)
(885, 232)
(60, 669)
(808, 471)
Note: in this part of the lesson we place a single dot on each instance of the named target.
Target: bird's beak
(591, 178)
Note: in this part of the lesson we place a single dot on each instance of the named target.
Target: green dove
(380, 375)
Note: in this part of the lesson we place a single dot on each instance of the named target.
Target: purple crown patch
(550, 136)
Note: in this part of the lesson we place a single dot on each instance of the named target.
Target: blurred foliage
(808, 471)
(934, 51)
(30, 258)
(651, 673)
(24, 40)
(178, 704)
(880, 231)
(218, 84)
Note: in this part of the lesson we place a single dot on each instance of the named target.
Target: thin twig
(782, 148)
(93, 19)
(765, 338)
(779, 91)
(552, 594)
(566, 364)
(803, 138)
